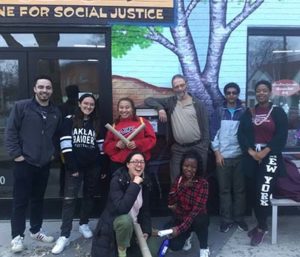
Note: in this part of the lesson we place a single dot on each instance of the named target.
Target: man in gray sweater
(187, 123)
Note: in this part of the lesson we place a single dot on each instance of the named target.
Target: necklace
(259, 121)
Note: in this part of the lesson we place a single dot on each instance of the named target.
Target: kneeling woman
(187, 200)
(128, 202)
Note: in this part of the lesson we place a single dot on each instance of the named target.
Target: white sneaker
(40, 236)
(85, 230)
(188, 243)
(17, 244)
(204, 252)
(60, 245)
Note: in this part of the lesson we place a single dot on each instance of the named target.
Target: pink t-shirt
(134, 212)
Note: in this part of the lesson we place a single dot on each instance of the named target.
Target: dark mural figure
(67, 108)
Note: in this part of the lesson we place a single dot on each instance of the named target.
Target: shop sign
(142, 12)
(285, 87)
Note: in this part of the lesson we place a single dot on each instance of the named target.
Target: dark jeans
(30, 184)
(199, 226)
(90, 178)
(231, 190)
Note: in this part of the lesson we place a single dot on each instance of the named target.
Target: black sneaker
(225, 226)
(242, 225)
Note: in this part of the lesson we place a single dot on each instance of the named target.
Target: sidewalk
(232, 244)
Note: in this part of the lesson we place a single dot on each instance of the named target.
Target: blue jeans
(30, 184)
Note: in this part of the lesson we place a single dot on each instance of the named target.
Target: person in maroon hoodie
(126, 123)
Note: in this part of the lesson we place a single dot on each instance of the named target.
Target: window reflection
(277, 58)
(16, 40)
(83, 73)
(9, 81)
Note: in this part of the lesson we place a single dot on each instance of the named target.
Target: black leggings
(265, 178)
(199, 226)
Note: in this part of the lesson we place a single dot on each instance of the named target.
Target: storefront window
(274, 55)
(17, 40)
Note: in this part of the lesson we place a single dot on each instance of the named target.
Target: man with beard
(29, 141)
(187, 123)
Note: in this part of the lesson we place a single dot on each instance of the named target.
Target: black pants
(30, 184)
(199, 226)
(265, 179)
(90, 178)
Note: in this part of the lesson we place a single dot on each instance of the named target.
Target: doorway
(80, 56)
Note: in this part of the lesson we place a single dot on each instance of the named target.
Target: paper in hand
(165, 232)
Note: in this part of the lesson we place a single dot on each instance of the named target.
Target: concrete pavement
(232, 244)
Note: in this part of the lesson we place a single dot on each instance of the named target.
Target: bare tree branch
(247, 10)
(161, 39)
(10, 40)
(191, 7)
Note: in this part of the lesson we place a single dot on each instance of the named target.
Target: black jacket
(246, 137)
(29, 131)
(122, 195)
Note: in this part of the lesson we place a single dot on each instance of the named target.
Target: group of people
(248, 143)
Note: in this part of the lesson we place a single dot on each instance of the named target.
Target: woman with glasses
(126, 123)
(262, 135)
(187, 200)
(128, 202)
(81, 143)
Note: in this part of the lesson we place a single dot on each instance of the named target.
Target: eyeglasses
(135, 162)
(231, 93)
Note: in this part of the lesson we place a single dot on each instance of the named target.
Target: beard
(180, 95)
(42, 98)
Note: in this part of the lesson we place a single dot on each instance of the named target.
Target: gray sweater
(169, 103)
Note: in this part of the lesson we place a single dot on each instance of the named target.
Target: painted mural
(208, 45)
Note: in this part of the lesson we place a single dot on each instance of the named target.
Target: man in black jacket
(29, 141)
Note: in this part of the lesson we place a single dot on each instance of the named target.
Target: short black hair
(42, 77)
(193, 155)
(176, 76)
(232, 85)
(263, 82)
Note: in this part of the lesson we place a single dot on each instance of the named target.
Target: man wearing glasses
(228, 159)
(188, 123)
